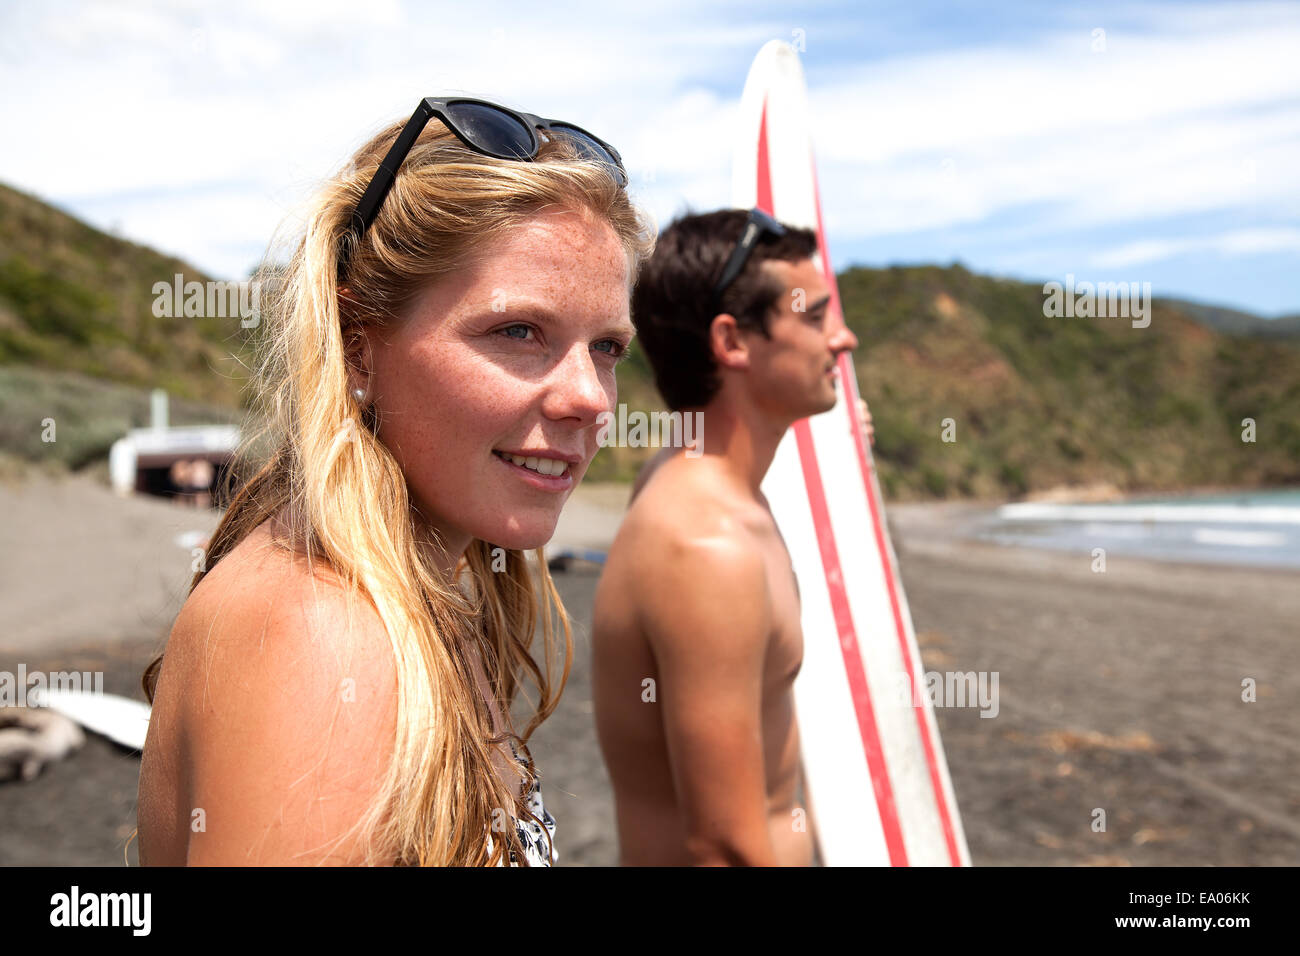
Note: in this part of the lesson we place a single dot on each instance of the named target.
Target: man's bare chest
(785, 647)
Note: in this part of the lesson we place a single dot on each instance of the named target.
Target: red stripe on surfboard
(847, 376)
(848, 641)
(846, 632)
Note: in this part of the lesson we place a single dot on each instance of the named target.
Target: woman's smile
(547, 474)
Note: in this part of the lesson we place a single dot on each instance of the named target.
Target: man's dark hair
(673, 304)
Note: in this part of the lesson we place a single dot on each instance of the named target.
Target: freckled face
(488, 388)
(794, 369)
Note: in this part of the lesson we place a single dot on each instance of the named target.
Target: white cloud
(197, 126)
(1155, 126)
(1238, 242)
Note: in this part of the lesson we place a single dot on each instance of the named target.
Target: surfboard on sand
(120, 719)
(875, 775)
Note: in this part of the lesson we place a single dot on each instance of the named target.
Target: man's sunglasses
(758, 224)
(484, 127)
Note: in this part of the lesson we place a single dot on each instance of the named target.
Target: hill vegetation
(76, 299)
(1031, 402)
(1040, 402)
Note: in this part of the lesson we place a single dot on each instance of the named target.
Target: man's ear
(730, 350)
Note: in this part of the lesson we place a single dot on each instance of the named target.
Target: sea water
(1260, 528)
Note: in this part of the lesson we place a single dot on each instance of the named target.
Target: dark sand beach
(1120, 691)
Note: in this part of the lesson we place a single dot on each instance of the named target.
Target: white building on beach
(146, 460)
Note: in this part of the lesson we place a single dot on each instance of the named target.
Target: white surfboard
(120, 719)
(875, 774)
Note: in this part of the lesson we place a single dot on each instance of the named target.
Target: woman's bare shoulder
(263, 586)
(285, 706)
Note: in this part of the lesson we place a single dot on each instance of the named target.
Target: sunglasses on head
(484, 127)
(758, 224)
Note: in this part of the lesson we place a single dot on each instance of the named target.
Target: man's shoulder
(680, 560)
(680, 518)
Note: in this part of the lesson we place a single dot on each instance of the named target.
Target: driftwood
(31, 737)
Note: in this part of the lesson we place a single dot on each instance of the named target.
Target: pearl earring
(359, 394)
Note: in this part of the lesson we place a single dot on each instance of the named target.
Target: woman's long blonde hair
(345, 499)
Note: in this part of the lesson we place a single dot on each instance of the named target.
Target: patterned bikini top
(534, 841)
(530, 834)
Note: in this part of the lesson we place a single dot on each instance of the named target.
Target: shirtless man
(696, 635)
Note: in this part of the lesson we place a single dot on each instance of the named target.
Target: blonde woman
(337, 688)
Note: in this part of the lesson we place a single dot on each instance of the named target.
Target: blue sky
(1138, 142)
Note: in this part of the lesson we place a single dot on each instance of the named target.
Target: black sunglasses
(484, 127)
(758, 224)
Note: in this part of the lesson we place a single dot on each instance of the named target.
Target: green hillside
(1236, 322)
(73, 298)
(1035, 402)
(1039, 402)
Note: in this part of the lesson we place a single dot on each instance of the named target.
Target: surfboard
(120, 719)
(875, 775)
